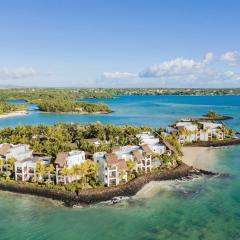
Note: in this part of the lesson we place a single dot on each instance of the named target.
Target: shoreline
(92, 196)
(77, 113)
(88, 197)
(14, 114)
(197, 157)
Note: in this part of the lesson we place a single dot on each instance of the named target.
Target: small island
(67, 106)
(213, 116)
(11, 110)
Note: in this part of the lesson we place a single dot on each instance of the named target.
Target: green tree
(1, 165)
(11, 164)
(50, 169)
(40, 170)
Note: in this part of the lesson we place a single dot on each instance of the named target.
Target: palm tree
(50, 169)
(65, 172)
(40, 169)
(1, 164)
(92, 168)
(131, 165)
(11, 164)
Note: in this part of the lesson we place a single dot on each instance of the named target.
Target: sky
(120, 43)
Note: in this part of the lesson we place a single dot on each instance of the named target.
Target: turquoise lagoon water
(206, 208)
(155, 111)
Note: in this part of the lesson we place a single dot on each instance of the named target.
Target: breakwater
(91, 196)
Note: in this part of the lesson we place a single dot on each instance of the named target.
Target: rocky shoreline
(92, 196)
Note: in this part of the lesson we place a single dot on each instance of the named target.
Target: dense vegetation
(33, 94)
(8, 108)
(50, 140)
(59, 105)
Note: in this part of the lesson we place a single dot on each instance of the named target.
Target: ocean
(205, 208)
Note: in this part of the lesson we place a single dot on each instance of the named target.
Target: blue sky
(124, 43)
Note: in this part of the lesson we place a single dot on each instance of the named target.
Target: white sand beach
(14, 114)
(149, 190)
(198, 157)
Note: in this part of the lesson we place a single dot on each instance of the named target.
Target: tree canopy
(8, 108)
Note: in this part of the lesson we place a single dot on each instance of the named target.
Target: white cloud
(118, 75)
(176, 68)
(232, 57)
(232, 75)
(208, 57)
(179, 72)
(18, 73)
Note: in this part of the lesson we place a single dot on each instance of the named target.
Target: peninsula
(95, 162)
(12, 110)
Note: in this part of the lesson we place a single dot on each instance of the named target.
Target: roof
(4, 149)
(111, 158)
(146, 148)
(116, 148)
(169, 146)
(30, 160)
(138, 155)
(61, 159)
(122, 165)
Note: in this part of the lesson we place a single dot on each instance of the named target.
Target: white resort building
(18, 152)
(112, 170)
(25, 169)
(193, 131)
(68, 160)
(113, 166)
(153, 142)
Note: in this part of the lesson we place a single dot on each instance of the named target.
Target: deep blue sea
(206, 208)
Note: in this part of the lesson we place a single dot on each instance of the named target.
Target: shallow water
(154, 111)
(208, 208)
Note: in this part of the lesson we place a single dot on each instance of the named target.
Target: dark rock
(90, 196)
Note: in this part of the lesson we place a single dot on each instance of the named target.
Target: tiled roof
(111, 158)
(147, 149)
(169, 146)
(4, 149)
(61, 159)
(138, 155)
(122, 165)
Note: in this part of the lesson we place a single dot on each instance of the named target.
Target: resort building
(68, 160)
(194, 131)
(153, 142)
(111, 169)
(142, 155)
(143, 158)
(25, 169)
(18, 152)
(113, 166)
